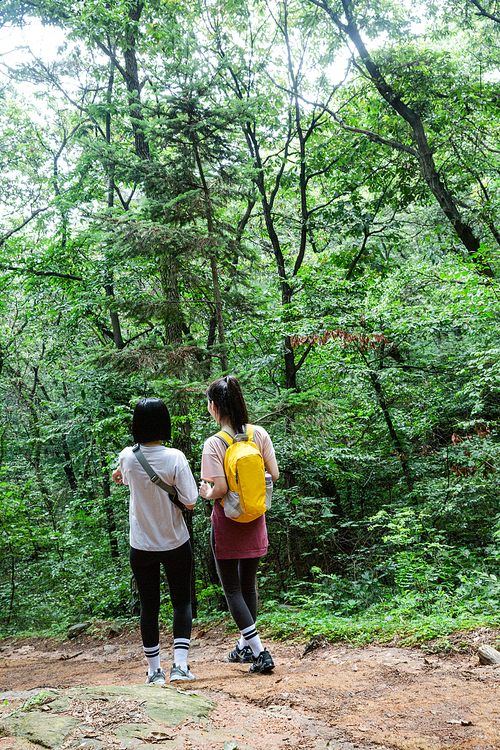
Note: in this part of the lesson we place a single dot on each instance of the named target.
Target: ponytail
(228, 399)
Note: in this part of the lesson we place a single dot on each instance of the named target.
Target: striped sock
(252, 639)
(181, 646)
(152, 654)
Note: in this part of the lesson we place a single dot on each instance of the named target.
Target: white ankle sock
(152, 654)
(252, 639)
(181, 646)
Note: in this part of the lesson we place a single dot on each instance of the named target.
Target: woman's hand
(213, 491)
(205, 489)
(117, 476)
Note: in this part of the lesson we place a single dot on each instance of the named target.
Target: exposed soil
(330, 697)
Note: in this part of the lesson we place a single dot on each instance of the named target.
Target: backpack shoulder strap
(225, 437)
(248, 430)
(171, 491)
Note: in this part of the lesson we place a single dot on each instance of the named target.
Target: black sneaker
(242, 655)
(262, 663)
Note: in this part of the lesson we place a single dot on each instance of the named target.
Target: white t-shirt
(156, 524)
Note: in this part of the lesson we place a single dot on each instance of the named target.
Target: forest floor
(319, 696)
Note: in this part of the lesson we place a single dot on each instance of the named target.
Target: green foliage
(393, 619)
(212, 199)
(398, 623)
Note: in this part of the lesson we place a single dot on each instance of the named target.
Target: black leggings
(239, 581)
(146, 569)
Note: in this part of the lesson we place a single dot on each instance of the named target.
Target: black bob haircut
(151, 421)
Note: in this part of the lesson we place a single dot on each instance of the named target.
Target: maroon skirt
(235, 541)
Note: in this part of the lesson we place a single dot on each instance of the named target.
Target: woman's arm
(119, 474)
(213, 491)
(272, 467)
(265, 446)
(185, 483)
(212, 470)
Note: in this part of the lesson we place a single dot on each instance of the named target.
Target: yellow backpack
(245, 474)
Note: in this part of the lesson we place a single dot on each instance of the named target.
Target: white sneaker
(157, 678)
(180, 673)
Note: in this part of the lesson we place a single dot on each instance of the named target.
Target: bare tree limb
(484, 13)
(29, 271)
(6, 236)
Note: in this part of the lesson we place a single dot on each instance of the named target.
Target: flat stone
(46, 721)
(163, 704)
(75, 630)
(23, 695)
(39, 728)
(114, 630)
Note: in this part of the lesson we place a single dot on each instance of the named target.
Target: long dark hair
(229, 402)
(151, 421)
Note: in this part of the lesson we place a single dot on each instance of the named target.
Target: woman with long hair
(159, 535)
(237, 547)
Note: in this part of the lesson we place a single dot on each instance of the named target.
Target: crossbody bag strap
(171, 491)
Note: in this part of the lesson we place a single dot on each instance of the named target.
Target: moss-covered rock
(139, 713)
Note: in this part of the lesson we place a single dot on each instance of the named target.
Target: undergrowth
(360, 630)
(340, 613)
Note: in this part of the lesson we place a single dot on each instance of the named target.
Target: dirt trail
(332, 697)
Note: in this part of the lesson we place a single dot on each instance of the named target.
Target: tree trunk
(134, 87)
(108, 288)
(392, 430)
(424, 153)
(173, 317)
(213, 260)
(115, 320)
(110, 518)
(68, 467)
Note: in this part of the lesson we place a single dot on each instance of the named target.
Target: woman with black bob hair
(151, 421)
(159, 535)
(237, 547)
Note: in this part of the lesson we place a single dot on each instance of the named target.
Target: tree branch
(70, 276)
(484, 13)
(18, 228)
(303, 358)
